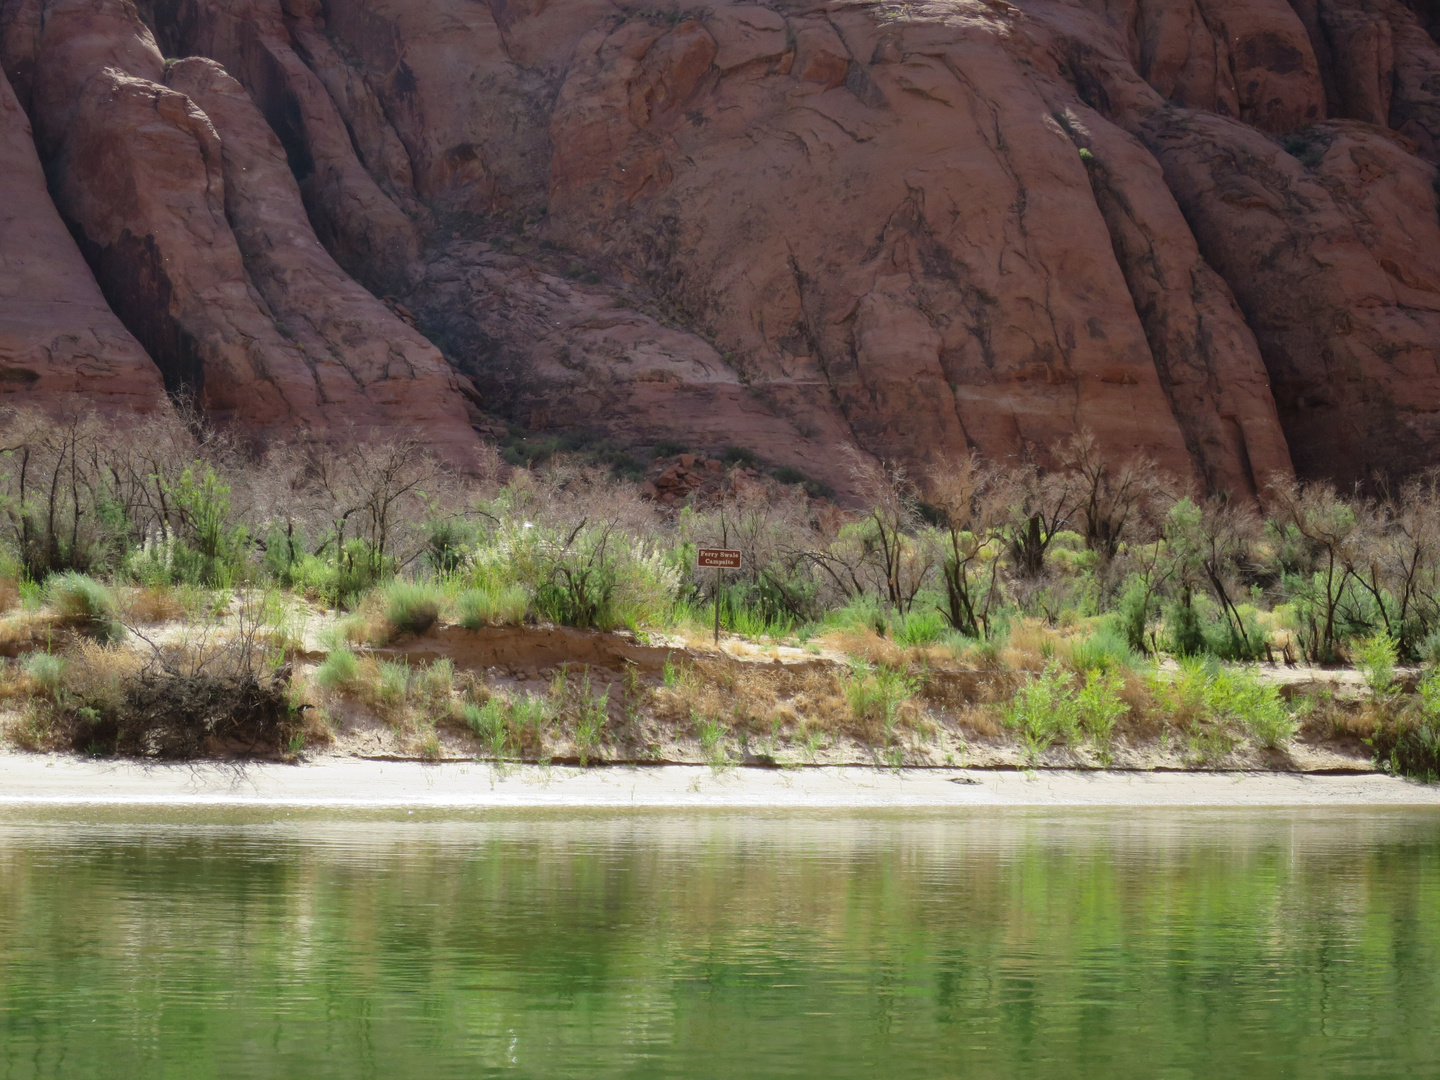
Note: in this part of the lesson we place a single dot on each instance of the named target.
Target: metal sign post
(721, 559)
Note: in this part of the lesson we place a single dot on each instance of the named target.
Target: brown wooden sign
(719, 558)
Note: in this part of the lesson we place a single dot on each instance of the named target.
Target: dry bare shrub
(364, 627)
(219, 691)
(863, 643)
(1144, 719)
(15, 684)
(98, 674)
(9, 594)
(81, 489)
(1031, 646)
(383, 686)
(1110, 499)
(30, 728)
(1033, 505)
(1324, 716)
(316, 721)
(21, 629)
(953, 692)
(774, 528)
(182, 718)
(758, 699)
(150, 605)
(962, 492)
(982, 720)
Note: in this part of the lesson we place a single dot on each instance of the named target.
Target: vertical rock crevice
(58, 337)
(1205, 353)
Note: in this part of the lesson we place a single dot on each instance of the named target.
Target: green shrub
(591, 576)
(433, 686)
(1101, 704)
(1210, 700)
(746, 610)
(48, 671)
(1184, 629)
(509, 726)
(922, 626)
(1243, 644)
(741, 456)
(672, 674)
(1429, 649)
(877, 695)
(338, 671)
(411, 607)
(1237, 693)
(83, 603)
(285, 551)
(710, 731)
(1132, 615)
(209, 550)
(394, 684)
(489, 724)
(341, 582)
(586, 707)
(1376, 657)
(1408, 744)
(1200, 629)
(500, 605)
(1044, 711)
(862, 611)
(1105, 650)
(530, 714)
(446, 546)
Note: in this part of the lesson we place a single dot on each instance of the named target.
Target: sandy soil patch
(55, 780)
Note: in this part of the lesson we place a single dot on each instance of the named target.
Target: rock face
(57, 335)
(203, 247)
(1206, 230)
(369, 235)
(350, 371)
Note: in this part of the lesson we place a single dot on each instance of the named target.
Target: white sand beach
(34, 779)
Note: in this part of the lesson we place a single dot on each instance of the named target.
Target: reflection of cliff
(1205, 229)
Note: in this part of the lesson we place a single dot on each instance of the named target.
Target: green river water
(987, 944)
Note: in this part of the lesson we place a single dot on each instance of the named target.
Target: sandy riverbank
(56, 780)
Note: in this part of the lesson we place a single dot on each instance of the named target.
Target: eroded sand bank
(46, 779)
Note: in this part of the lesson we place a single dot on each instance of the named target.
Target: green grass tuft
(83, 603)
(411, 607)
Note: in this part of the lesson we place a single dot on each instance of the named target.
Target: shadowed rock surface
(1206, 230)
(57, 335)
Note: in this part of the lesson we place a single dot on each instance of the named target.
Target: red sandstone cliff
(1205, 229)
(57, 335)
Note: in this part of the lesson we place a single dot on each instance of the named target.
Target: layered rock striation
(1205, 230)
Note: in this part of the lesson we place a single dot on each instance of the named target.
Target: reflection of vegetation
(1138, 946)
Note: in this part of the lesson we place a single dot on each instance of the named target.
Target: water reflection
(992, 944)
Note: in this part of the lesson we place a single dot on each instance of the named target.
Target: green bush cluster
(1133, 563)
(83, 603)
(1060, 707)
(1217, 702)
(944, 557)
(1407, 739)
